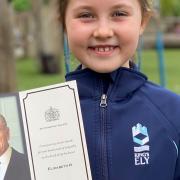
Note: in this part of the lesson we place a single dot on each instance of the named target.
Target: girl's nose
(103, 31)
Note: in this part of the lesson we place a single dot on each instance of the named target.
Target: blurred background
(31, 45)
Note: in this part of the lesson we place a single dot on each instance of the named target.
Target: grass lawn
(172, 66)
(28, 76)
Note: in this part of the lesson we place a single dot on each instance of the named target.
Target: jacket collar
(123, 82)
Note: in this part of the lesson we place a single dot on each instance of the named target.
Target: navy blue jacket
(132, 126)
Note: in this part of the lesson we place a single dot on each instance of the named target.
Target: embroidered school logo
(141, 148)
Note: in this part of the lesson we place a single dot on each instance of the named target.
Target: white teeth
(107, 49)
(104, 49)
(101, 49)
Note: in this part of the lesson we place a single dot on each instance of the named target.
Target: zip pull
(103, 102)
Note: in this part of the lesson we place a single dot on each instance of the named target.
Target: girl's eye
(119, 13)
(86, 15)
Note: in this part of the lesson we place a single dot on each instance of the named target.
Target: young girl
(132, 126)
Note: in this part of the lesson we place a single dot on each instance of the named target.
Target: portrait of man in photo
(13, 164)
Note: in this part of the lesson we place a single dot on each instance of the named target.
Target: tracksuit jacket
(132, 126)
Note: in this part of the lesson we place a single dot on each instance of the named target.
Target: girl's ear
(144, 22)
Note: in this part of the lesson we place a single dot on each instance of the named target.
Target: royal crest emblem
(52, 114)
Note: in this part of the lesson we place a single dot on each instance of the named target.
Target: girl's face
(103, 35)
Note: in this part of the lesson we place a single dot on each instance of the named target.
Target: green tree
(21, 5)
(170, 7)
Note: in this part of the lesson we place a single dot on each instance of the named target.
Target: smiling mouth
(103, 50)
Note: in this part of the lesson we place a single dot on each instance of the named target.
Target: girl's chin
(105, 68)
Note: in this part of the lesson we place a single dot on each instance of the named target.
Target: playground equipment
(66, 54)
(160, 44)
(159, 48)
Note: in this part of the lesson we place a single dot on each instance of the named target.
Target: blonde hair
(146, 6)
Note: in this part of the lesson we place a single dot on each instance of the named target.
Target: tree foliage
(21, 5)
(170, 7)
(24, 5)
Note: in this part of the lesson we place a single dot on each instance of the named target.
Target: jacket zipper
(103, 102)
(103, 154)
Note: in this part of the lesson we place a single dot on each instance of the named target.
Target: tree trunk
(47, 58)
(37, 15)
(7, 62)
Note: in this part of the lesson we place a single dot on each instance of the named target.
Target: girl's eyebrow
(117, 6)
(86, 7)
(89, 7)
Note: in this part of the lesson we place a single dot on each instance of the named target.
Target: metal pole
(139, 53)
(66, 54)
(160, 44)
(160, 52)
